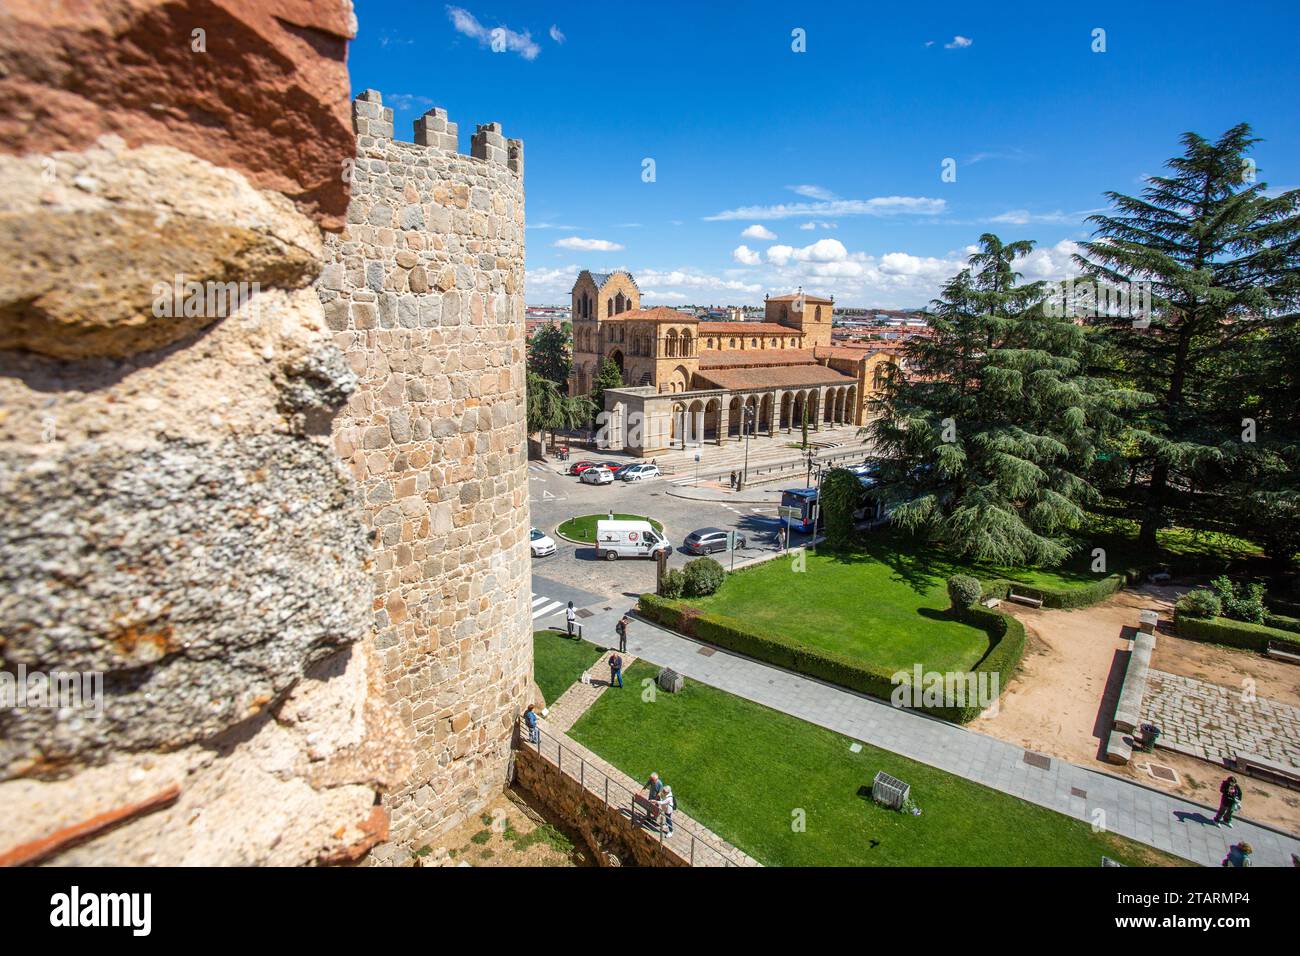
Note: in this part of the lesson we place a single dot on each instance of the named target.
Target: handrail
(583, 776)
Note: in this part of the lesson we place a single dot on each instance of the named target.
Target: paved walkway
(1215, 723)
(573, 703)
(1149, 816)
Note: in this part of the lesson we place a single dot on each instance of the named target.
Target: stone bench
(1283, 652)
(991, 602)
(1128, 712)
(1024, 599)
(1119, 749)
(1257, 766)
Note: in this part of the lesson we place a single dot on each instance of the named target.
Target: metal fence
(684, 841)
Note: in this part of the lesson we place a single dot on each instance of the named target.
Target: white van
(628, 539)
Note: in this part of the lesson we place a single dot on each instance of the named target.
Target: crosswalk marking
(543, 605)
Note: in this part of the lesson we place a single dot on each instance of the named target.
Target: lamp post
(746, 424)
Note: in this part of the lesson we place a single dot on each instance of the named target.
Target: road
(573, 573)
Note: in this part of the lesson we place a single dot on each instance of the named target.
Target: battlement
(435, 131)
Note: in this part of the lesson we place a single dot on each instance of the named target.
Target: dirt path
(1062, 701)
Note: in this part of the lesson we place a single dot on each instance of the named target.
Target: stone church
(688, 382)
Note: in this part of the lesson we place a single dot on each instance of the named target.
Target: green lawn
(558, 660)
(583, 528)
(883, 605)
(744, 770)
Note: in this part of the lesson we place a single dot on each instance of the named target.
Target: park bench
(1257, 766)
(648, 807)
(991, 602)
(1128, 711)
(1025, 599)
(1283, 651)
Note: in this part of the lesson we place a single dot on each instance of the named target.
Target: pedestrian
(1238, 855)
(530, 718)
(571, 618)
(621, 629)
(1229, 801)
(667, 804)
(616, 670)
(733, 481)
(653, 786)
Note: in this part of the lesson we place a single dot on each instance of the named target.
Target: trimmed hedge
(1006, 645)
(1282, 623)
(1222, 630)
(1083, 595)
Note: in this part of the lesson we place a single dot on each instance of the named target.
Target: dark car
(578, 467)
(709, 541)
(621, 470)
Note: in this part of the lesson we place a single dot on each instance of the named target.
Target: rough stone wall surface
(423, 292)
(172, 515)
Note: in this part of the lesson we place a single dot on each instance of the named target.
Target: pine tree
(549, 353)
(1223, 262)
(989, 434)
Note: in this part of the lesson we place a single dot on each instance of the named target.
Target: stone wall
(424, 295)
(173, 518)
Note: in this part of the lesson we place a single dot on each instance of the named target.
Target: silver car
(640, 472)
(599, 475)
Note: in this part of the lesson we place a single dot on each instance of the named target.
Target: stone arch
(733, 343)
(765, 414)
(800, 403)
(787, 409)
(617, 356)
(687, 343)
(609, 306)
(695, 422)
(852, 404)
(712, 420)
(751, 415)
(734, 415)
(681, 379)
(670, 343)
(710, 344)
(814, 407)
(677, 421)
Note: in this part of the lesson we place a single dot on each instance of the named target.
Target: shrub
(1199, 603)
(702, 577)
(963, 591)
(1224, 630)
(673, 584)
(1241, 603)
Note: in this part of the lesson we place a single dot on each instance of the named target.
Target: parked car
(622, 469)
(597, 475)
(629, 539)
(638, 472)
(578, 467)
(541, 544)
(709, 540)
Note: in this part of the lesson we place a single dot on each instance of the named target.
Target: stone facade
(424, 295)
(173, 518)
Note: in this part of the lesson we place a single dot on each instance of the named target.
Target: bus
(805, 499)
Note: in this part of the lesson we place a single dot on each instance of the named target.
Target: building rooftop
(746, 328)
(751, 358)
(660, 313)
(806, 298)
(780, 376)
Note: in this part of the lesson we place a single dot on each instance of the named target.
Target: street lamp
(746, 424)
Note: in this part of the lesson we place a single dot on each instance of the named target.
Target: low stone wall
(595, 798)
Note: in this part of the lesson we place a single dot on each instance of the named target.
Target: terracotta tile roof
(780, 376)
(746, 328)
(660, 313)
(850, 351)
(740, 358)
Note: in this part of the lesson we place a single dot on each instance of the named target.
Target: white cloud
(556, 34)
(813, 192)
(815, 225)
(1023, 217)
(877, 206)
(407, 101)
(746, 256)
(958, 43)
(466, 23)
(587, 245)
(758, 232)
(1048, 262)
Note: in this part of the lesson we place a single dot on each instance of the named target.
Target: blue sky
(831, 158)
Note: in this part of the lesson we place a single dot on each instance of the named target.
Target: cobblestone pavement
(1214, 722)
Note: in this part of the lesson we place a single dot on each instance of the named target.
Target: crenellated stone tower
(424, 295)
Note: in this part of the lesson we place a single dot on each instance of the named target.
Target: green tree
(1223, 262)
(550, 355)
(544, 405)
(839, 495)
(607, 376)
(989, 438)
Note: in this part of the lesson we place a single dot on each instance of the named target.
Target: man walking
(667, 804)
(1229, 801)
(571, 618)
(621, 630)
(616, 670)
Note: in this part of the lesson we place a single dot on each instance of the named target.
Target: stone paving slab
(573, 703)
(1149, 816)
(1214, 723)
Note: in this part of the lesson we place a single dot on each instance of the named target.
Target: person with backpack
(621, 630)
(530, 718)
(1229, 801)
(616, 671)
(1238, 855)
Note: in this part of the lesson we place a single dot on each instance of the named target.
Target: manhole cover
(707, 651)
(584, 613)
(1161, 772)
(1038, 760)
(1076, 792)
